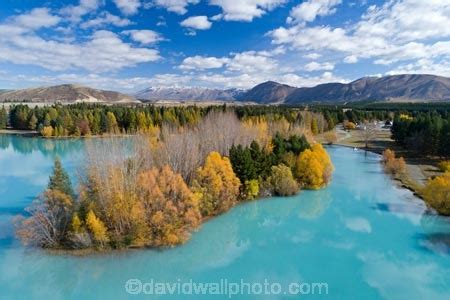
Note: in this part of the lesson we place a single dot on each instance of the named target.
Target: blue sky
(129, 45)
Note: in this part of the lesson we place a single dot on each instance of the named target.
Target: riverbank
(35, 134)
(24, 133)
(418, 169)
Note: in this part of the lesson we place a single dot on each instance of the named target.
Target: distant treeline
(96, 119)
(423, 132)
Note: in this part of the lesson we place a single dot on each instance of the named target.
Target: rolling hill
(66, 93)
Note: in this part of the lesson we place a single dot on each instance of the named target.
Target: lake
(362, 236)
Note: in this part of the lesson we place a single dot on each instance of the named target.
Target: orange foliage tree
(171, 209)
(216, 184)
(393, 165)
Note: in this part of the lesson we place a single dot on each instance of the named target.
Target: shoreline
(35, 134)
(418, 170)
(113, 251)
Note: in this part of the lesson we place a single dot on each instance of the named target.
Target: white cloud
(397, 31)
(201, 62)
(309, 10)
(106, 18)
(134, 84)
(423, 66)
(36, 18)
(197, 22)
(176, 6)
(245, 10)
(144, 36)
(315, 66)
(104, 51)
(128, 7)
(217, 17)
(75, 12)
(312, 55)
(252, 62)
(351, 59)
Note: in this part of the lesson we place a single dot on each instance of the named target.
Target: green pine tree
(60, 180)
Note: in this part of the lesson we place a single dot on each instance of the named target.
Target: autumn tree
(330, 137)
(314, 167)
(282, 181)
(171, 209)
(96, 228)
(437, 193)
(3, 118)
(111, 123)
(349, 125)
(217, 185)
(46, 131)
(393, 165)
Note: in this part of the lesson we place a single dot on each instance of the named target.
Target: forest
(427, 133)
(156, 188)
(94, 119)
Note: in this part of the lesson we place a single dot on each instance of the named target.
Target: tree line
(95, 119)
(426, 133)
(157, 188)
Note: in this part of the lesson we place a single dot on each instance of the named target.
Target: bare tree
(369, 132)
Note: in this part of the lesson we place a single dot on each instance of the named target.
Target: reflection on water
(47, 147)
(362, 235)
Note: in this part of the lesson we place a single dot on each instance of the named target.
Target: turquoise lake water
(362, 236)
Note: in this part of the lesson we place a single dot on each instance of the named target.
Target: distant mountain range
(188, 94)
(388, 88)
(416, 87)
(66, 93)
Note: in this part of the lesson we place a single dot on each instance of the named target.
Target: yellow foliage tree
(76, 223)
(47, 131)
(97, 228)
(171, 209)
(314, 167)
(444, 166)
(349, 125)
(217, 184)
(251, 189)
(437, 193)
